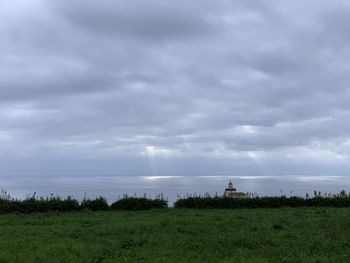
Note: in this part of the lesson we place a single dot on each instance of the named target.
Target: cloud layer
(158, 87)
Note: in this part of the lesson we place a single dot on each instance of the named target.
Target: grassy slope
(247, 235)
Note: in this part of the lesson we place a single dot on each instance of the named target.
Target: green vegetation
(132, 203)
(288, 229)
(99, 203)
(263, 202)
(178, 235)
(55, 203)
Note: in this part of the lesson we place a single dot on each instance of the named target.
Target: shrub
(267, 202)
(33, 204)
(99, 203)
(55, 203)
(136, 203)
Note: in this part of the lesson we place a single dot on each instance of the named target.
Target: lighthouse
(230, 187)
(230, 191)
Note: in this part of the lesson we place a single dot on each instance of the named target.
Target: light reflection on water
(113, 187)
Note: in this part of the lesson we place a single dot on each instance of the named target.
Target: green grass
(176, 235)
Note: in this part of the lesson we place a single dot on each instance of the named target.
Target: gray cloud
(153, 20)
(173, 87)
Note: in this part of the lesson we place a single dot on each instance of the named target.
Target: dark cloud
(188, 87)
(153, 20)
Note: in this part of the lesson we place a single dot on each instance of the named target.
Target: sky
(174, 88)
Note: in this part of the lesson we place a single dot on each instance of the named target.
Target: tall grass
(339, 200)
(55, 203)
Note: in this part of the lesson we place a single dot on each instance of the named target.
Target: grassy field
(175, 235)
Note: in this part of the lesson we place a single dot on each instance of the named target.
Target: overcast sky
(162, 87)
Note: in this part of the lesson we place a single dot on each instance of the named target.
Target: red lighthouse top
(230, 185)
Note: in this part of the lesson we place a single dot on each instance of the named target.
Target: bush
(262, 202)
(32, 204)
(55, 203)
(100, 203)
(135, 203)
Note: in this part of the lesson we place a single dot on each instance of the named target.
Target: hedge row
(263, 202)
(33, 204)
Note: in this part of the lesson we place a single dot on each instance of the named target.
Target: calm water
(113, 187)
